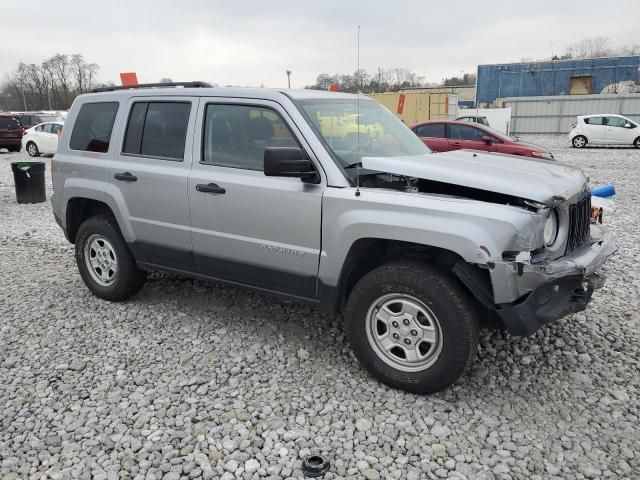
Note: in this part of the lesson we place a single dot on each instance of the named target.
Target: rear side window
(11, 122)
(433, 130)
(594, 120)
(157, 129)
(93, 126)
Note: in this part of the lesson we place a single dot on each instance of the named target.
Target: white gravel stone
(193, 380)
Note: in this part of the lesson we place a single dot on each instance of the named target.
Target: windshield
(381, 133)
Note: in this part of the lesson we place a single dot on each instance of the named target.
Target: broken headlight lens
(551, 228)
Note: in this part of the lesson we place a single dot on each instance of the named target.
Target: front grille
(579, 223)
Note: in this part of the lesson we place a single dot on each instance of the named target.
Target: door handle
(457, 144)
(210, 188)
(125, 177)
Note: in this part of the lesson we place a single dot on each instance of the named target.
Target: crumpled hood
(539, 180)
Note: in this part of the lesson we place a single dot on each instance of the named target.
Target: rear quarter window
(93, 126)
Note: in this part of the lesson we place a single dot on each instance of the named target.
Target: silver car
(328, 199)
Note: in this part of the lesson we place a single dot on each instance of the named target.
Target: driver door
(246, 227)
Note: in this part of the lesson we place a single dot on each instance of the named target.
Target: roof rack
(153, 85)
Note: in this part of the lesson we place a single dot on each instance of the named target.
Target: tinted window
(158, 129)
(462, 132)
(93, 126)
(594, 120)
(56, 128)
(133, 137)
(434, 130)
(237, 135)
(616, 122)
(47, 128)
(9, 122)
(40, 128)
(26, 120)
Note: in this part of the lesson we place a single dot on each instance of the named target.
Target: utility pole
(289, 78)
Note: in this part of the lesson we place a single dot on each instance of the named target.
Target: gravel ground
(191, 380)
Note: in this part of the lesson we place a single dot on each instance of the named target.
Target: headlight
(545, 155)
(551, 228)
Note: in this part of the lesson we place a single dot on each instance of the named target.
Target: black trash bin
(29, 180)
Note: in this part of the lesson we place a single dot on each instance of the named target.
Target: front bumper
(529, 294)
(549, 302)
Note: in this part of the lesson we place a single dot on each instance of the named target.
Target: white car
(604, 129)
(42, 138)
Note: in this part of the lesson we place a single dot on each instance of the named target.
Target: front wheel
(105, 262)
(579, 141)
(636, 143)
(32, 149)
(412, 326)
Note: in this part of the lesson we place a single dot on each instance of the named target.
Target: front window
(371, 131)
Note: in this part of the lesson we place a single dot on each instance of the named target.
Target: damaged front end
(548, 268)
(532, 290)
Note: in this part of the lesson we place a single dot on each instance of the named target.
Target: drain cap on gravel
(314, 466)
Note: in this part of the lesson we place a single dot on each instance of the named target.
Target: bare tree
(590, 48)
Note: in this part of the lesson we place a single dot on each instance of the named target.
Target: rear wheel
(32, 149)
(636, 142)
(412, 326)
(579, 141)
(105, 262)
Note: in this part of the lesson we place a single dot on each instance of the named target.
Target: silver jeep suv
(326, 198)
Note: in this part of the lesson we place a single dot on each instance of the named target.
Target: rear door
(595, 129)
(149, 172)
(468, 136)
(434, 136)
(246, 227)
(619, 130)
(47, 139)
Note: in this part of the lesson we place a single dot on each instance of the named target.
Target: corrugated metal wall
(556, 114)
(552, 77)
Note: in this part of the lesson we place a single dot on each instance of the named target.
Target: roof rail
(153, 85)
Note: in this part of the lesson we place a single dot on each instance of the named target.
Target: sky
(253, 43)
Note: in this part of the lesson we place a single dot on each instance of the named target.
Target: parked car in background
(42, 139)
(10, 132)
(604, 129)
(475, 119)
(29, 120)
(447, 135)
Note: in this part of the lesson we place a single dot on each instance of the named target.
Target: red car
(447, 135)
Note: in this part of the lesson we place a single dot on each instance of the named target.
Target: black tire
(577, 141)
(129, 279)
(636, 142)
(32, 149)
(457, 315)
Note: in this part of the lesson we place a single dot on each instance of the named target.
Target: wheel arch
(79, 209)
(367, 254)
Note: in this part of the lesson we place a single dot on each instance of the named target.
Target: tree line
(50, 85)
(381, 81)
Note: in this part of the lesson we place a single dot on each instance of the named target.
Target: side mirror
(486, 139)
(289, 162)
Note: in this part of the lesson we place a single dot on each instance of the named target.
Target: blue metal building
(555, 77)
